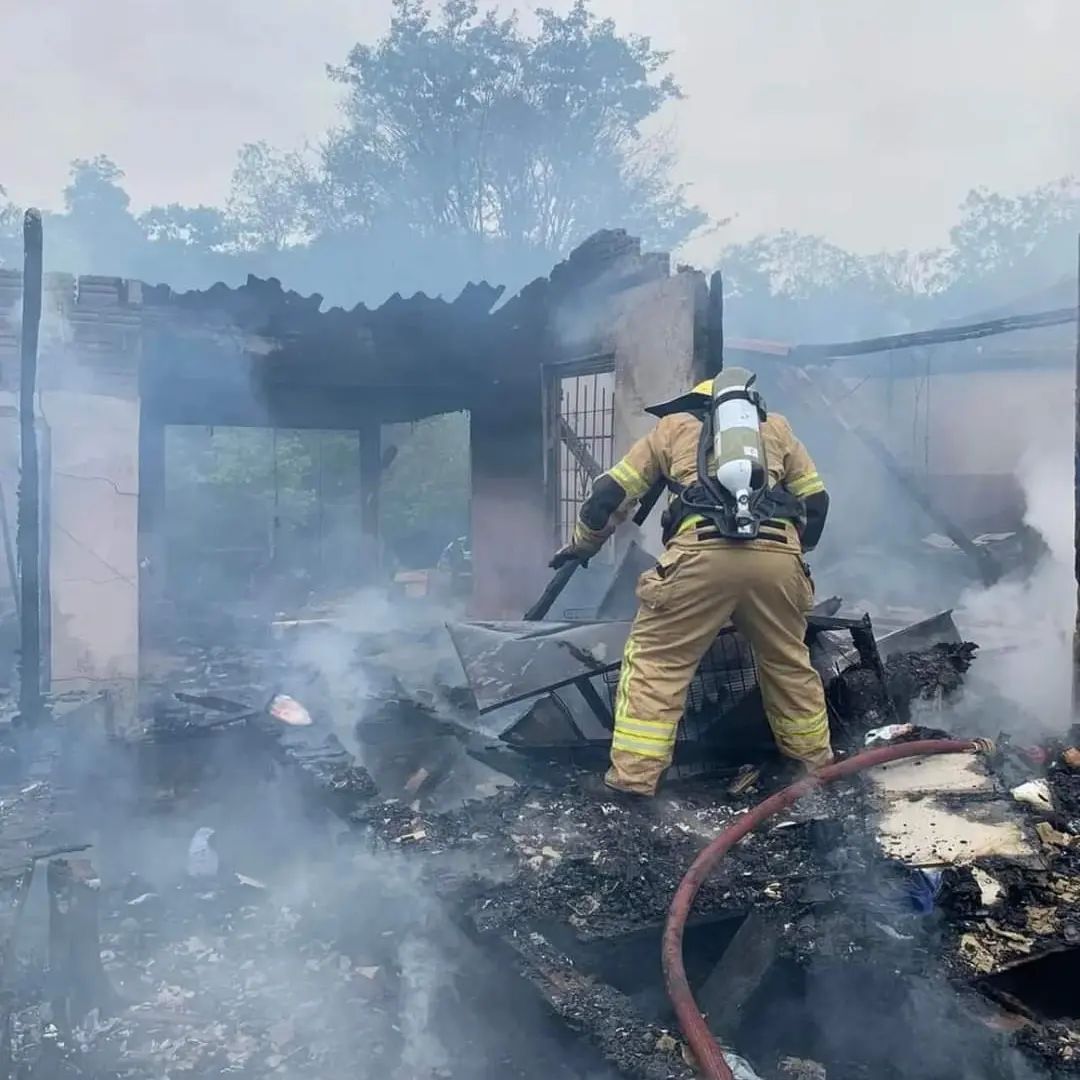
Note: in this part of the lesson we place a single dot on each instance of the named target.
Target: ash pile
(292, 873)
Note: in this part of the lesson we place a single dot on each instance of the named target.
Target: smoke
(422, 978)
(1024, 625)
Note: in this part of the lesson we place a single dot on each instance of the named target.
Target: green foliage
(202, 228)
(10, 231)
(799, 287)
(267, 207)
(425, 501)
(246, 498)
(1004, 245)
(467, 148)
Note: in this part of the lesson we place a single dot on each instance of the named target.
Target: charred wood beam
(29, 523)
(592, 468)
(1076, 496)
(581, 453)
(15, 893)
(817, 354)
(741, 970)
(811, 391)
(77, 979)
(606, 1017)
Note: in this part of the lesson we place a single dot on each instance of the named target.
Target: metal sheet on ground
(938, 629)
(506, 662)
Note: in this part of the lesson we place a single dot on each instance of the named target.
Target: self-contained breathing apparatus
(732, 489)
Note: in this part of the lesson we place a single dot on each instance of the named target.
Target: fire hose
(706, 1050)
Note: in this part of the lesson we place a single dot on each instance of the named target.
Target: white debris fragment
(888, 733)
(741, 1069)
(202, 859)
(1035, 793)
(289, 711)
(801, 1069)
(891, 931)
(989, 887)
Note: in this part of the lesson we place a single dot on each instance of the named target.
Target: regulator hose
(706, 1050)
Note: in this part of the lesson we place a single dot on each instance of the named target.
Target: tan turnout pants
(697, 587)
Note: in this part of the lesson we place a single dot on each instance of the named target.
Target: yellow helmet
(694, 401)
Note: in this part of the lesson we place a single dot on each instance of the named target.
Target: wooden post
(1076, 496)
(29, 525)
(14, 892)
(77, 979)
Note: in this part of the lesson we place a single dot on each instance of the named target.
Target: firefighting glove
(585, 544)
(570, 553)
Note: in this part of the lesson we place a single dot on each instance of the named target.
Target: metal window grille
(586, 404)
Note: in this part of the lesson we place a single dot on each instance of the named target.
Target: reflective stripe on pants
(695, 590)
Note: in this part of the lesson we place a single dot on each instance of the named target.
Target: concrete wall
(94, 539)
(973, 436)
(511, 532)
(979, 422)
(91, 334)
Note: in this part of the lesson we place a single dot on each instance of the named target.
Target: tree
(1005, 244)
(268, 200)
(802, 288)
(97, 233)
(10, 231)
(203, 228)
(489, 151)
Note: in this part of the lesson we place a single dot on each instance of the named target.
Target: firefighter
(747, 503)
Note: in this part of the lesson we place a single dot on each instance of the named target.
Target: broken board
(943, 811)
(506, 662)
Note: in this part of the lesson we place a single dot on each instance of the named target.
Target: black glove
(570, 553)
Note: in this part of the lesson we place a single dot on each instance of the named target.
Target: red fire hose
(706, 1051)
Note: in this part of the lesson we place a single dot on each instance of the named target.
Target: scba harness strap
(707, 499)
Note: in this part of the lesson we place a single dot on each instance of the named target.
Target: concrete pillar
(653, 332)
(94, 573)
(511, 537)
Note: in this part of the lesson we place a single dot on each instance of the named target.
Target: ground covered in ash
(587, 880)
(351, 933)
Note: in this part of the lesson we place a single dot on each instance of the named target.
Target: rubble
(1035, 793)
(334, 938)
(930, 675)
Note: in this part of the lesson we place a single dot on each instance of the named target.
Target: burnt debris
(376, 906)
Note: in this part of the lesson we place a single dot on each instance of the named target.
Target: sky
(866, 121)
